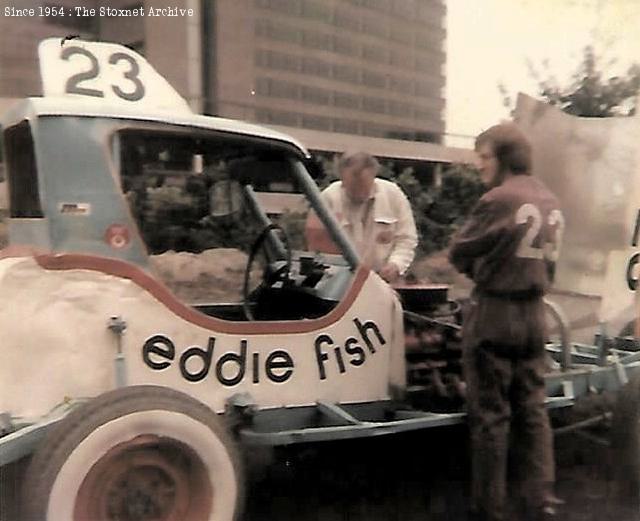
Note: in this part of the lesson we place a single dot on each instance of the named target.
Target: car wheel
(136, 453)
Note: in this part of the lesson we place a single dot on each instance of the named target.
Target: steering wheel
(273, 273)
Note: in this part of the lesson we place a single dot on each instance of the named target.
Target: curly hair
(510, 146)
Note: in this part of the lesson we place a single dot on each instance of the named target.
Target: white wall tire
(139, 453)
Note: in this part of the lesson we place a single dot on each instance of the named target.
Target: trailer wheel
(136, 454)
(625, 438)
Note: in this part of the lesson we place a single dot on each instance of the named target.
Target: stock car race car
(128, 400)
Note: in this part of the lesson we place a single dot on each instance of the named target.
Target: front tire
(141, 453)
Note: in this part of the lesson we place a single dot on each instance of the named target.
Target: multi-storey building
(371, 67)
(367, 67)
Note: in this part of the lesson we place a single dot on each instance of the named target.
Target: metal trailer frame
(592, 369)
(331, 421)
(580, 370)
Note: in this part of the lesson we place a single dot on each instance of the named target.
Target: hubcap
(148, 478)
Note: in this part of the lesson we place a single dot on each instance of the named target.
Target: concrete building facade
(369, 67)
(365, 67)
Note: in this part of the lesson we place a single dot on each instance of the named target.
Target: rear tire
(136, 454)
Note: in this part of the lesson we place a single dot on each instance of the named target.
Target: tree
(590, 92)
(440, 210)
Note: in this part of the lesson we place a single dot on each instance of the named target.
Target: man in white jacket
(375, 214)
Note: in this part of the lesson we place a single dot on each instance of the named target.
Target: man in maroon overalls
(508, 247)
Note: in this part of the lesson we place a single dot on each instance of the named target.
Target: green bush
(439, 210)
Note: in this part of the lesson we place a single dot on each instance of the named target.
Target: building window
(316, 122)
(346, 73)
(316, 67)
(431, 12)
(399, 84)
(432, 103)
(422, 41)
(375, 54)
(404, 9)
(426, 114)
(373, 79)
(424, 89)
(277, 117)
(315, 10)
(374, 27)
(277, 60)
(378, 5)
(263, 86)
(346, 126)
(277, 31)
(401, 35)
(374, 130)
(402, 59)
(283, 61)
(316, 95)
(284, 89)
(429, 40)
(346, 21)
(262, 27)
(285, 6)
(345, 46)
(399, 109)
(262, 58)
(277, 88)
(425, 63)
(376, 105)
(284, 33)
(346, 100)
(315, 40)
